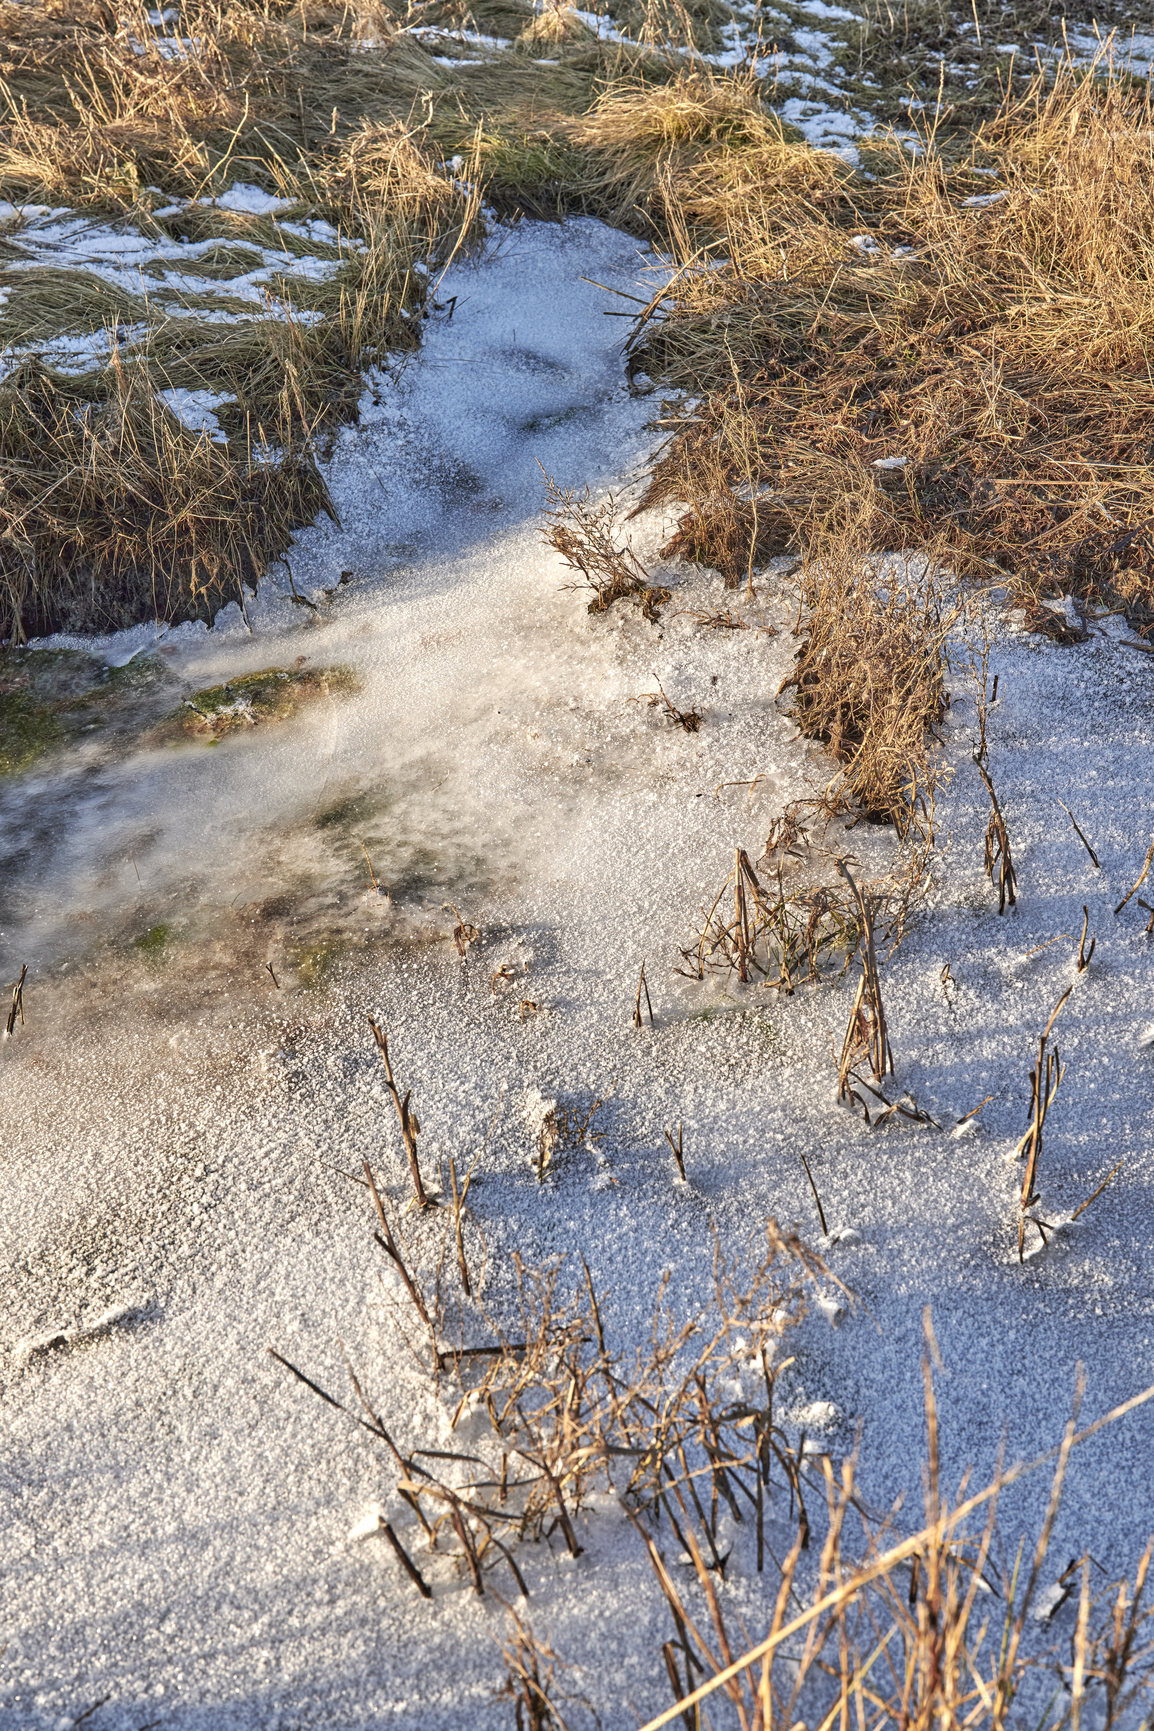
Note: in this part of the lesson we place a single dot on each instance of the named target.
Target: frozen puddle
(175, 1512)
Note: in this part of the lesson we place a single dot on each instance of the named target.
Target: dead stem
(410, 1127)
(642, 987)
(1045, 1079)
(17, 1008)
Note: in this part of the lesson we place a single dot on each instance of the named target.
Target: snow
(119, 254)
(76, 354)
(251, 200)
(195, 409)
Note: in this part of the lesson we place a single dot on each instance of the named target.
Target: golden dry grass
(870, 1628)
(114, 512)
(98, 110)
(980, 335)
(869, 678)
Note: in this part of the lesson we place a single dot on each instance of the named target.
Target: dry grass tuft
(111, 512)
(587, 536)
(765, 932)
(870, 1628)
(684, 151)
(919, 1632)
(869, 679)
(554, 24)
(549, 1417)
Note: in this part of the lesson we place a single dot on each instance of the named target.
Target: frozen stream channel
(174, 1511)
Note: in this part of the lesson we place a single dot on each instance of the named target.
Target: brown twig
(642, 987)
(868, 1003)
(1141, 880)
(998, 854)
(410, 1126)
(1085, 956)
(816, 1197)
(1082, 1207)
(386, 1239)
(407, 1562)
(372, 874)
(1045, 1079)
(17, 1009)
(1078, 833)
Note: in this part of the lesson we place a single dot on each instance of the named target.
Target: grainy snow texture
(187, 1537)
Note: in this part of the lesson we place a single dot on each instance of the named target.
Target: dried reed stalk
(867, 1034)
(642, 987)
(17, 1007)
(410, 1127)
(1045, 1079)
(998, 857)
(898, 1636)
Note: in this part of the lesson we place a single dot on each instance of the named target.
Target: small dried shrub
(587, 536)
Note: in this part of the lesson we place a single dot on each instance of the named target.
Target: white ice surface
(176, 1512)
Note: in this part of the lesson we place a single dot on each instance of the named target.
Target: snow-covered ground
(175, 1511)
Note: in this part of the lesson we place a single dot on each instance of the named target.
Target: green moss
(142, 673)
(253, 699)
(315, 963)
(351, 812)
(27, 730)
(40, 692)
(152, 943)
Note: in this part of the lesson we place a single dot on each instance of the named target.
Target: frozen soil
(176, 1511)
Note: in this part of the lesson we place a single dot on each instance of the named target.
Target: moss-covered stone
(37, 688)
(27, 730)
(253, 699)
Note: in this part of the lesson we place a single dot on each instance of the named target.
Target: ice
(369, 1525)
(1050, 1600)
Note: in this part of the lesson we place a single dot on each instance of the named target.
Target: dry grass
(590, 539)
(762, 932)
(869, 679)
(918, 1632)
(550, 1417)
(669, 156)
(112, 512)
(875, 1630)
(990, 354)
(101, 105)
(109, 113)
